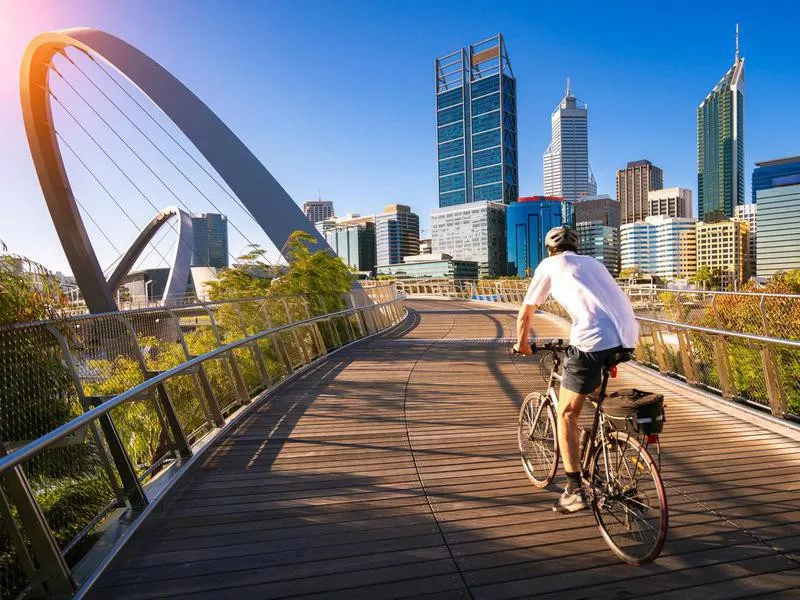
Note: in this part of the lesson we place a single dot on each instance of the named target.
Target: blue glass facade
(210, 241)
(527, 224)
(774, 173)
(476, 121)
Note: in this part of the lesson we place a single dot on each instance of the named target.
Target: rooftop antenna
(737, 42)
(569, 91)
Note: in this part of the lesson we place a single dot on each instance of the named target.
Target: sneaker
(571, 501)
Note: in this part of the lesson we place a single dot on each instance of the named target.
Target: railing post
(238, 380)
(723, 360)
(277, 341)
(777, 399)
(254, 350)
(658, 344)
(210, 404)
(173, 424)
(53, 569)
(322, 350)
(297, 340)
(689, 365)
(361, 323)
(104, 449)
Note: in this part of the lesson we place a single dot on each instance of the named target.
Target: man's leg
(570, 405)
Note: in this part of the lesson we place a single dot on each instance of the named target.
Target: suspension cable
(160, 126)
(152, 143)
(115, 163)
(60, 136)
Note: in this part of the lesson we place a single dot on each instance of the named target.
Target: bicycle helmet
(560, 238)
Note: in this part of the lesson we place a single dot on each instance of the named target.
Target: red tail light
(614, 371)
(652, 438)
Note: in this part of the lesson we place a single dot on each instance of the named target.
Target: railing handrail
(168, 308)
(36, 446)
(723, 332)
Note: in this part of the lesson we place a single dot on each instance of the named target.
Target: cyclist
(603, 323)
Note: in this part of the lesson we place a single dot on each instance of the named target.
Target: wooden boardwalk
(391, 471)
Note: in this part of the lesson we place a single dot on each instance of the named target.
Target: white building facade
(662, 246)
(749, 214)
(671, 202)
(566, 159)
(472, 232)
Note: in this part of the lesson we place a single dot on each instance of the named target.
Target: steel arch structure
(179, 270)
(266, 200)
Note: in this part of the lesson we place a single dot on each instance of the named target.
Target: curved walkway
(391, 471)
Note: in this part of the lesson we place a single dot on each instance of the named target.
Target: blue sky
(337, 97)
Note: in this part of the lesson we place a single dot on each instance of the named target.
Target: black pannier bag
(635, 411)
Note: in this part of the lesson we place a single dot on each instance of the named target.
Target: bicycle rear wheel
(538, 442)
(629, 501)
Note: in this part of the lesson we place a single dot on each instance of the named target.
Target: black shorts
(583, 370)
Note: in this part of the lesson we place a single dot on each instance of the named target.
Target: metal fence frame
(688, 351)
(369, 311)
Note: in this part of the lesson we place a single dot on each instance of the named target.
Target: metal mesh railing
(154, 382)
(745, 346)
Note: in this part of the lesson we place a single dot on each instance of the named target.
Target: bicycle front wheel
(538, 442)
(629, 501)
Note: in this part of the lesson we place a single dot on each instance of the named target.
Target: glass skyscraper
(396, 234)
(210, 240)
(720, 145)
(527, 224)
(476, 125)
(566, 160)
(778, 215)
(772, 173)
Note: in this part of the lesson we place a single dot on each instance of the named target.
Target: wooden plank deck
(391, 471)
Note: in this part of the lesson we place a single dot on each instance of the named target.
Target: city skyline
(617, 129)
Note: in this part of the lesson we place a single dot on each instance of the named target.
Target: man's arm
(524, 321)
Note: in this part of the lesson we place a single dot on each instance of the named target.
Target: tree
(251, 277)
(124, 295)
(708, 278)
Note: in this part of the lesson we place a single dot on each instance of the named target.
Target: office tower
(720, 145)
(597, 208)
(724, 245)
(318, 210)
(670, 202)
(634, 182)
(476, 125)
(749, 213)
(527, 224)
(769, 173)
(600, 241)
(566, 160)
(354, 244)
(210, 240)
(662, 246)
(778, 219)
(396, 234)
(472, 232)
(426, 246)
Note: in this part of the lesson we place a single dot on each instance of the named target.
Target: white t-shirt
(602, 315)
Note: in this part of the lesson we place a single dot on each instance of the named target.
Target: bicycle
(622, 480)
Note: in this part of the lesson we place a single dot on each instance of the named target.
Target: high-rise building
(600, 241)
(473, 232)
(597, 208)
(778, 227)
(354, 244)
(566, 160)
(527, 224)
(426, 246)
(476, 125)
(720, 145)
(210, 240)
(749, 212)
(670, 202)
(396, 234)
(318, 210)
(771, 173)
(662, 246)
(634, 182)
(724, 245)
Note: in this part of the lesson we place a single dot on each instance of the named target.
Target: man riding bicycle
(603, 324)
